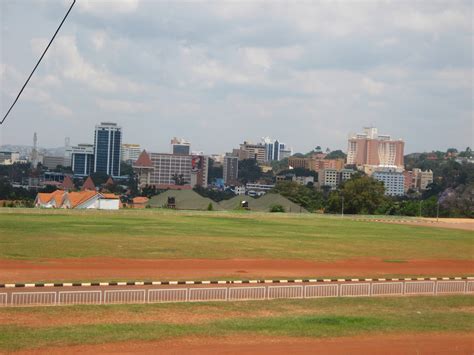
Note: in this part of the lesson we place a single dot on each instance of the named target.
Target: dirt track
(88, 269)
(387, 344)
(449, 223)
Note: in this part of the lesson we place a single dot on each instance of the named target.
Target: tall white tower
(34, 152)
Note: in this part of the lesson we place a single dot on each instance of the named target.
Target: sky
(307, 73)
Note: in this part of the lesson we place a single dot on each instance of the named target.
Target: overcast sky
(217, 73)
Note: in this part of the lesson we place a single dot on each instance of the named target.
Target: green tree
(277, 208)
(362, 195)
(336, 154)
(214, 172)
(99, 178)
(179, 179)
(305, 196)
(249, 171)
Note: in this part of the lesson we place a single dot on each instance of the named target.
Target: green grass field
(155, 234)
(315, 318)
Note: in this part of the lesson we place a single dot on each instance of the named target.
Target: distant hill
(235, 202)
(265, 202)
(185, 200)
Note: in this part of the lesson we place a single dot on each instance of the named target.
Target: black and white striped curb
(222, 282)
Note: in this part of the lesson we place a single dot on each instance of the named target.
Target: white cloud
(46, 101)
(372, 87)
(123, 106)
(98, 39)
(107, 7)
(66, 61)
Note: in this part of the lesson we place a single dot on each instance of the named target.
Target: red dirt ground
(135, 269)
(379, 344)
(453, 223)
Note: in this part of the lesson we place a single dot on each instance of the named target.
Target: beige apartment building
(251, 151)
(316, 162)
(159, 170)
(373, 149)
(417, 179)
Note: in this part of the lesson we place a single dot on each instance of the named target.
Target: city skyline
(219, 75)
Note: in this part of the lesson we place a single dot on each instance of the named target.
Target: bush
(277, 208)
(210, 207)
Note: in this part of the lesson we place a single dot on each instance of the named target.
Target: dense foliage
(249, 171)
(215, 195)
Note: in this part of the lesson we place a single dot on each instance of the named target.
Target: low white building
(393, 179)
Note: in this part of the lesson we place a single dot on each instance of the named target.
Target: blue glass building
(107, 148)
(82, 159)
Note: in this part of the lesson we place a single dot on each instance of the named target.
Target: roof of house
(67, 183)
(88, 184)
(184, 199)
(140, 199)
(143, 160)
(45, 197)
(110, 196)
(79, 197)
(109, 181)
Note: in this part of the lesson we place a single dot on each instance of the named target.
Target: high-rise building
(316, 162)
(334, 177)
(393, 180)
(275, 150)
(171, 170)
(254, 151)
(82, 159)
(180, 146)
(130, 152)
(417, 179)
(231, 169)
(107, 148)
(373, 149)
(199, 170)
(52, 162)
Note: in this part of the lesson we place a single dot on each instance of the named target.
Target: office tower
(231, 169)
(130, 152)
(275, 150)
(253, 151)
(107, 148)
(373, 149)
(161, 169)
(82, 159)
(180, 146)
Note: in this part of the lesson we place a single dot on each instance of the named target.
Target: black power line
(39, 61)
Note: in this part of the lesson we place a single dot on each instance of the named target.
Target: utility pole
(437, 211)
(342, 207)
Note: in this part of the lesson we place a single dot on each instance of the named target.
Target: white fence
(236, 293)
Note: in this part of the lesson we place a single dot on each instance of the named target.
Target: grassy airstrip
(161, 234)
(28, 328)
